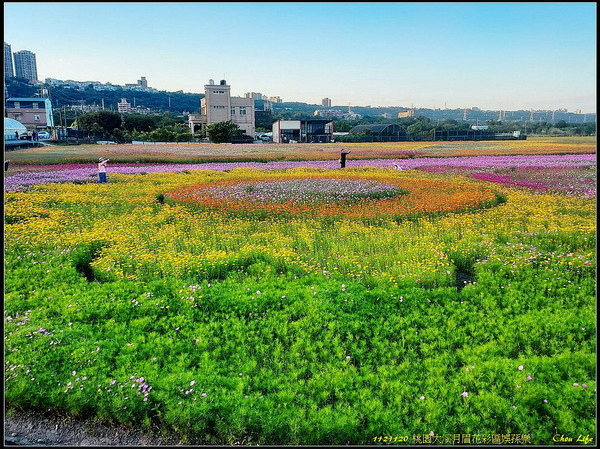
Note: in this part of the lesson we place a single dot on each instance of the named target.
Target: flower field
(200, 153)
(291, 302)
(575, 173)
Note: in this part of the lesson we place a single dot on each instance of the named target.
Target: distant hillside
(297, 111)
(63, 96)
(189, 102)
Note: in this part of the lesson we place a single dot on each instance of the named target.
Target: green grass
(300, 359)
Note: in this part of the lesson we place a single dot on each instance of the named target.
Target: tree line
(171, 128)
(167, 127)
(422, 128)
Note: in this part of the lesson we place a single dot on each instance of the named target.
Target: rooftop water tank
(223, 82)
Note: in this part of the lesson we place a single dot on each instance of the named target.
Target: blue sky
(456, 55)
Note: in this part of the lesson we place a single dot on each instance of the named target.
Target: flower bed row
(574, 173)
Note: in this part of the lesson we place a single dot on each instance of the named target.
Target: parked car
(43, 135)
(244, 138)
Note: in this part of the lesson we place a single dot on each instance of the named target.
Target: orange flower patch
(336, 194)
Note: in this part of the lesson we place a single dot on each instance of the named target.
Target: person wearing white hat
(102, 169)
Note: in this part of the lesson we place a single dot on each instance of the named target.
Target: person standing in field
(102, 169)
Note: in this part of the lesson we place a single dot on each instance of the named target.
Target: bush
(222, 132)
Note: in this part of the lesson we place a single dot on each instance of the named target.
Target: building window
(242, 111)
(17, 105)
(232, 111)
(17, 117)
(35, 106)
(36, 117)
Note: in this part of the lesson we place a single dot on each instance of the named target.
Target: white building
(328, 113)
(255, 96)
(123, 106)
(219, 106)
(303, 131)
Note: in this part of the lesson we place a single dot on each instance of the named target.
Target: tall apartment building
(276, 99)
(326, 102)
(143, 82)
(219, 106)
(9, 71)
(25, 65)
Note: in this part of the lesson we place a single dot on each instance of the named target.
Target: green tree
(222, 131)
(139, 122)
(96, 130)
(561, 124)
(415, 129)
(168, 119)
(106, 121)
(163, 134)
(119, 135)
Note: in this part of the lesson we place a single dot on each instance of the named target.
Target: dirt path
(51, 429)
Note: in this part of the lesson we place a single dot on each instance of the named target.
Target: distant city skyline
(494, 56)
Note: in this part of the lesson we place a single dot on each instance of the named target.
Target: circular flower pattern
(334, 194)
(305, 190)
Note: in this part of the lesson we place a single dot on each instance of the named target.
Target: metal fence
(372, 138)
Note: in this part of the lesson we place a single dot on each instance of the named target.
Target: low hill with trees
(176, 102)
